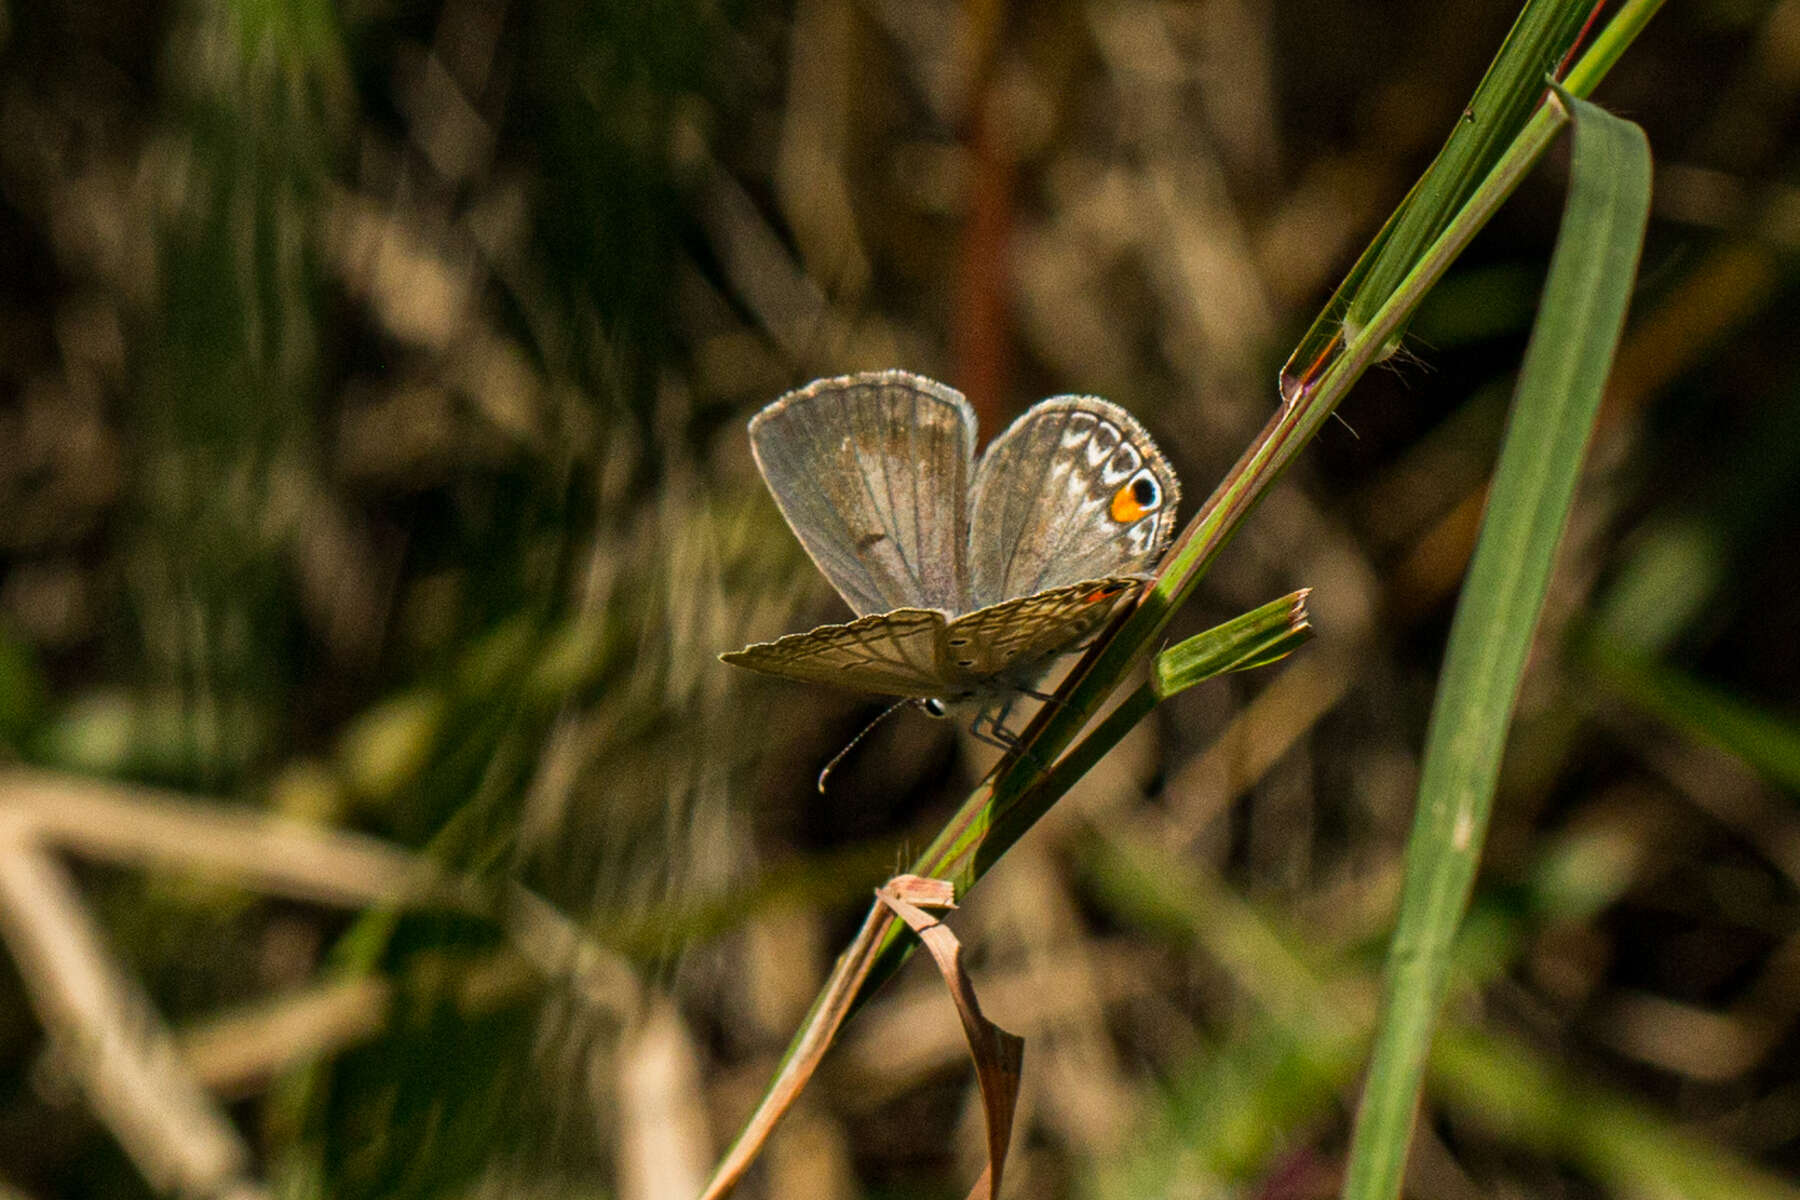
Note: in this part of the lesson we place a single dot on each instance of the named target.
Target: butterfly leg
(989, 728)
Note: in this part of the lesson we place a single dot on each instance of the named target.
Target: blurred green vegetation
(374, 498)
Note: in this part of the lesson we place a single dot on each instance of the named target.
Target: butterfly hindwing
(1011, 640)
(895, 654)
(1073, 490)
(872, 473)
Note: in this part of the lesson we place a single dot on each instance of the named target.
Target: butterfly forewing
(1073, 490)
(872, 473)
(1013, 639)
(896, 654)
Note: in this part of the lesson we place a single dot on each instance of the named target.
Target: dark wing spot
(965, 662)
(869, 539)
(959, 641)
(1143, 490)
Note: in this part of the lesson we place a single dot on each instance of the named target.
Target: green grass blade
(1495, 114)
(1502, 103)
(1560, 384)
(1257, 638)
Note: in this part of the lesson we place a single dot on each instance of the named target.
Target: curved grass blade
(997, 1053)
(829, 1009)
(1591, 275)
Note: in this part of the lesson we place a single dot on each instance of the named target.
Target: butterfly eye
(1137, 499)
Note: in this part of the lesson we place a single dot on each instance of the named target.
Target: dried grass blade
(815, 1036)
(997, 1053)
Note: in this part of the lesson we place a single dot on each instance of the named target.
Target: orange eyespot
(1136, 500)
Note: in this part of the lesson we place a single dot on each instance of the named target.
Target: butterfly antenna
(862, 733)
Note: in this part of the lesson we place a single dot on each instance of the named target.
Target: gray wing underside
(921, 652)
(1013, 639)
(872, 473)
(893, 653)
(1040, 508)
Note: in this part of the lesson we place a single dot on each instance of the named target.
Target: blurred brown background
(373, 478)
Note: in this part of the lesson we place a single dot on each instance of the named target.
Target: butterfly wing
(895, 653)
(1010, 640)
(1074, 490)
(872, 473)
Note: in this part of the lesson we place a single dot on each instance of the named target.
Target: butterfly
(968, 577)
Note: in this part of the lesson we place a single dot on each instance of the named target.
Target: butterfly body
(969, 577)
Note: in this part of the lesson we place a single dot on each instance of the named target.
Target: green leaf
(1560, 384)
(1255, 639)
